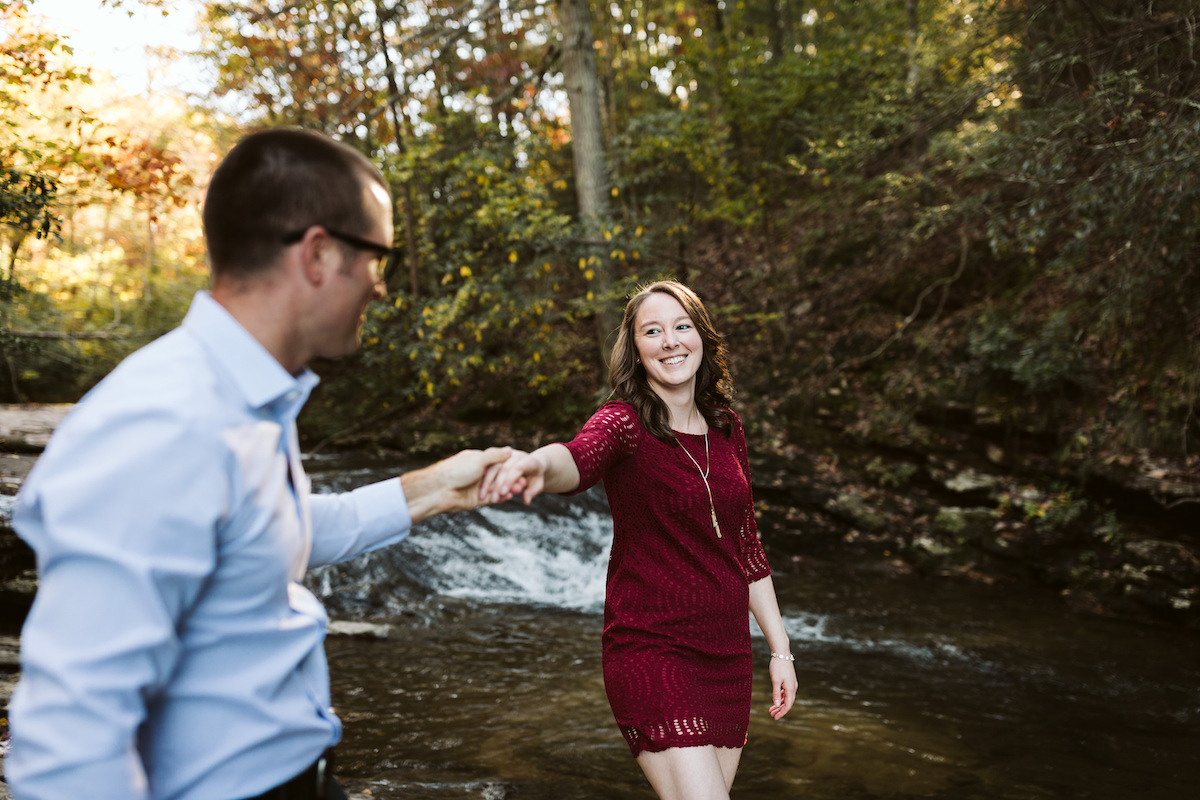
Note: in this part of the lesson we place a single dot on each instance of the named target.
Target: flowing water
(489, 685)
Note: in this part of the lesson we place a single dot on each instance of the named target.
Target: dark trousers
(315, 783)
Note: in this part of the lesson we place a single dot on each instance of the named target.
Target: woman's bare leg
(691, 773)
(729, 758)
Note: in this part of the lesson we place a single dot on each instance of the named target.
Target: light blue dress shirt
(171, 651)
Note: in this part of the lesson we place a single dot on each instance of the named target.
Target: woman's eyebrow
(653, 322)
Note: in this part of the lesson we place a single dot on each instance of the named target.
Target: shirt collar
(260, 378)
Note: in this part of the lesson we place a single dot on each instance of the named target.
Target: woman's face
(668, 343)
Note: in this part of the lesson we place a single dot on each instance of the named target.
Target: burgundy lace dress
(676, 645)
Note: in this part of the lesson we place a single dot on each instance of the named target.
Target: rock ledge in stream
(1105, 554)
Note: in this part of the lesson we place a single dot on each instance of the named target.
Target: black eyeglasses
(388, 257)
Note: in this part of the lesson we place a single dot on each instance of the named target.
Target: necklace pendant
(716, 527)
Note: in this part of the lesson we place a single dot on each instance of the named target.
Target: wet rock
(1149, 551)
(965, 524)
(369, 630)
(969, 481)
(27, 428)
(1174, 561)
(1185, 599)
(928, 546)
(1004, 547)
(1132, 576)
(856, 507)
(930, 555)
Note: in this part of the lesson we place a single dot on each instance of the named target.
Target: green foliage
(1053, 515)
(994, 201)
(27, 202)
(1045, 362)
(491, 304)
(891, 475)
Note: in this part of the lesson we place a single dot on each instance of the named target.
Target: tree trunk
(775, 29)
(588, 154)
(411, 253)
(911, 37)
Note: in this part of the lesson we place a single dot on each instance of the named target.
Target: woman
(686, 562)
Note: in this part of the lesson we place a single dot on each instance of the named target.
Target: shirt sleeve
(754, 558)
(123, 517)
(611, 435)
(349, 524)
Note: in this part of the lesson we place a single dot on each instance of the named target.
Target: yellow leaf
(537, 356)
(512, 257)
(464, 271)
(615, 192)
(589, 274)
(429, 388)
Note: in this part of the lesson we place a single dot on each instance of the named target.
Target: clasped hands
(472, 478)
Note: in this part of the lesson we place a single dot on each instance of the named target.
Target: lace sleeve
(754, 558)
(610, 436)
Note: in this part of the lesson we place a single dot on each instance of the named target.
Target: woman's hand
(453, 484)
(521, 471)
(783, 686)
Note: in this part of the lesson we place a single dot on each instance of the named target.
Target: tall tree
(588, 153)
(912, 37)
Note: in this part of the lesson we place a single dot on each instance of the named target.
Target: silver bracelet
(784, 656)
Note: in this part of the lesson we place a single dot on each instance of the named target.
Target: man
(172, 652)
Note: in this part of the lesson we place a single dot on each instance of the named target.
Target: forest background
(946, 241)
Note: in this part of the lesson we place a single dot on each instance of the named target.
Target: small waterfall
(552, 553)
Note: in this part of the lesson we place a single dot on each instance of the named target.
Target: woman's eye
(650, 332)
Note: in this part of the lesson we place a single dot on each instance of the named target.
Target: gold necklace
(712, 507)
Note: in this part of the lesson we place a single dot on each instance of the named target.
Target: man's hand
(453, 483)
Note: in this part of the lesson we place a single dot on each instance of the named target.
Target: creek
(488, 684)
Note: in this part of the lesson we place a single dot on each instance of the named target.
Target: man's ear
(318, 256)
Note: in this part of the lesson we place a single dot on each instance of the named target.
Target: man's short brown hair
(276, 182)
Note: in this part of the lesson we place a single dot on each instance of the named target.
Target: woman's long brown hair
(714, 387)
